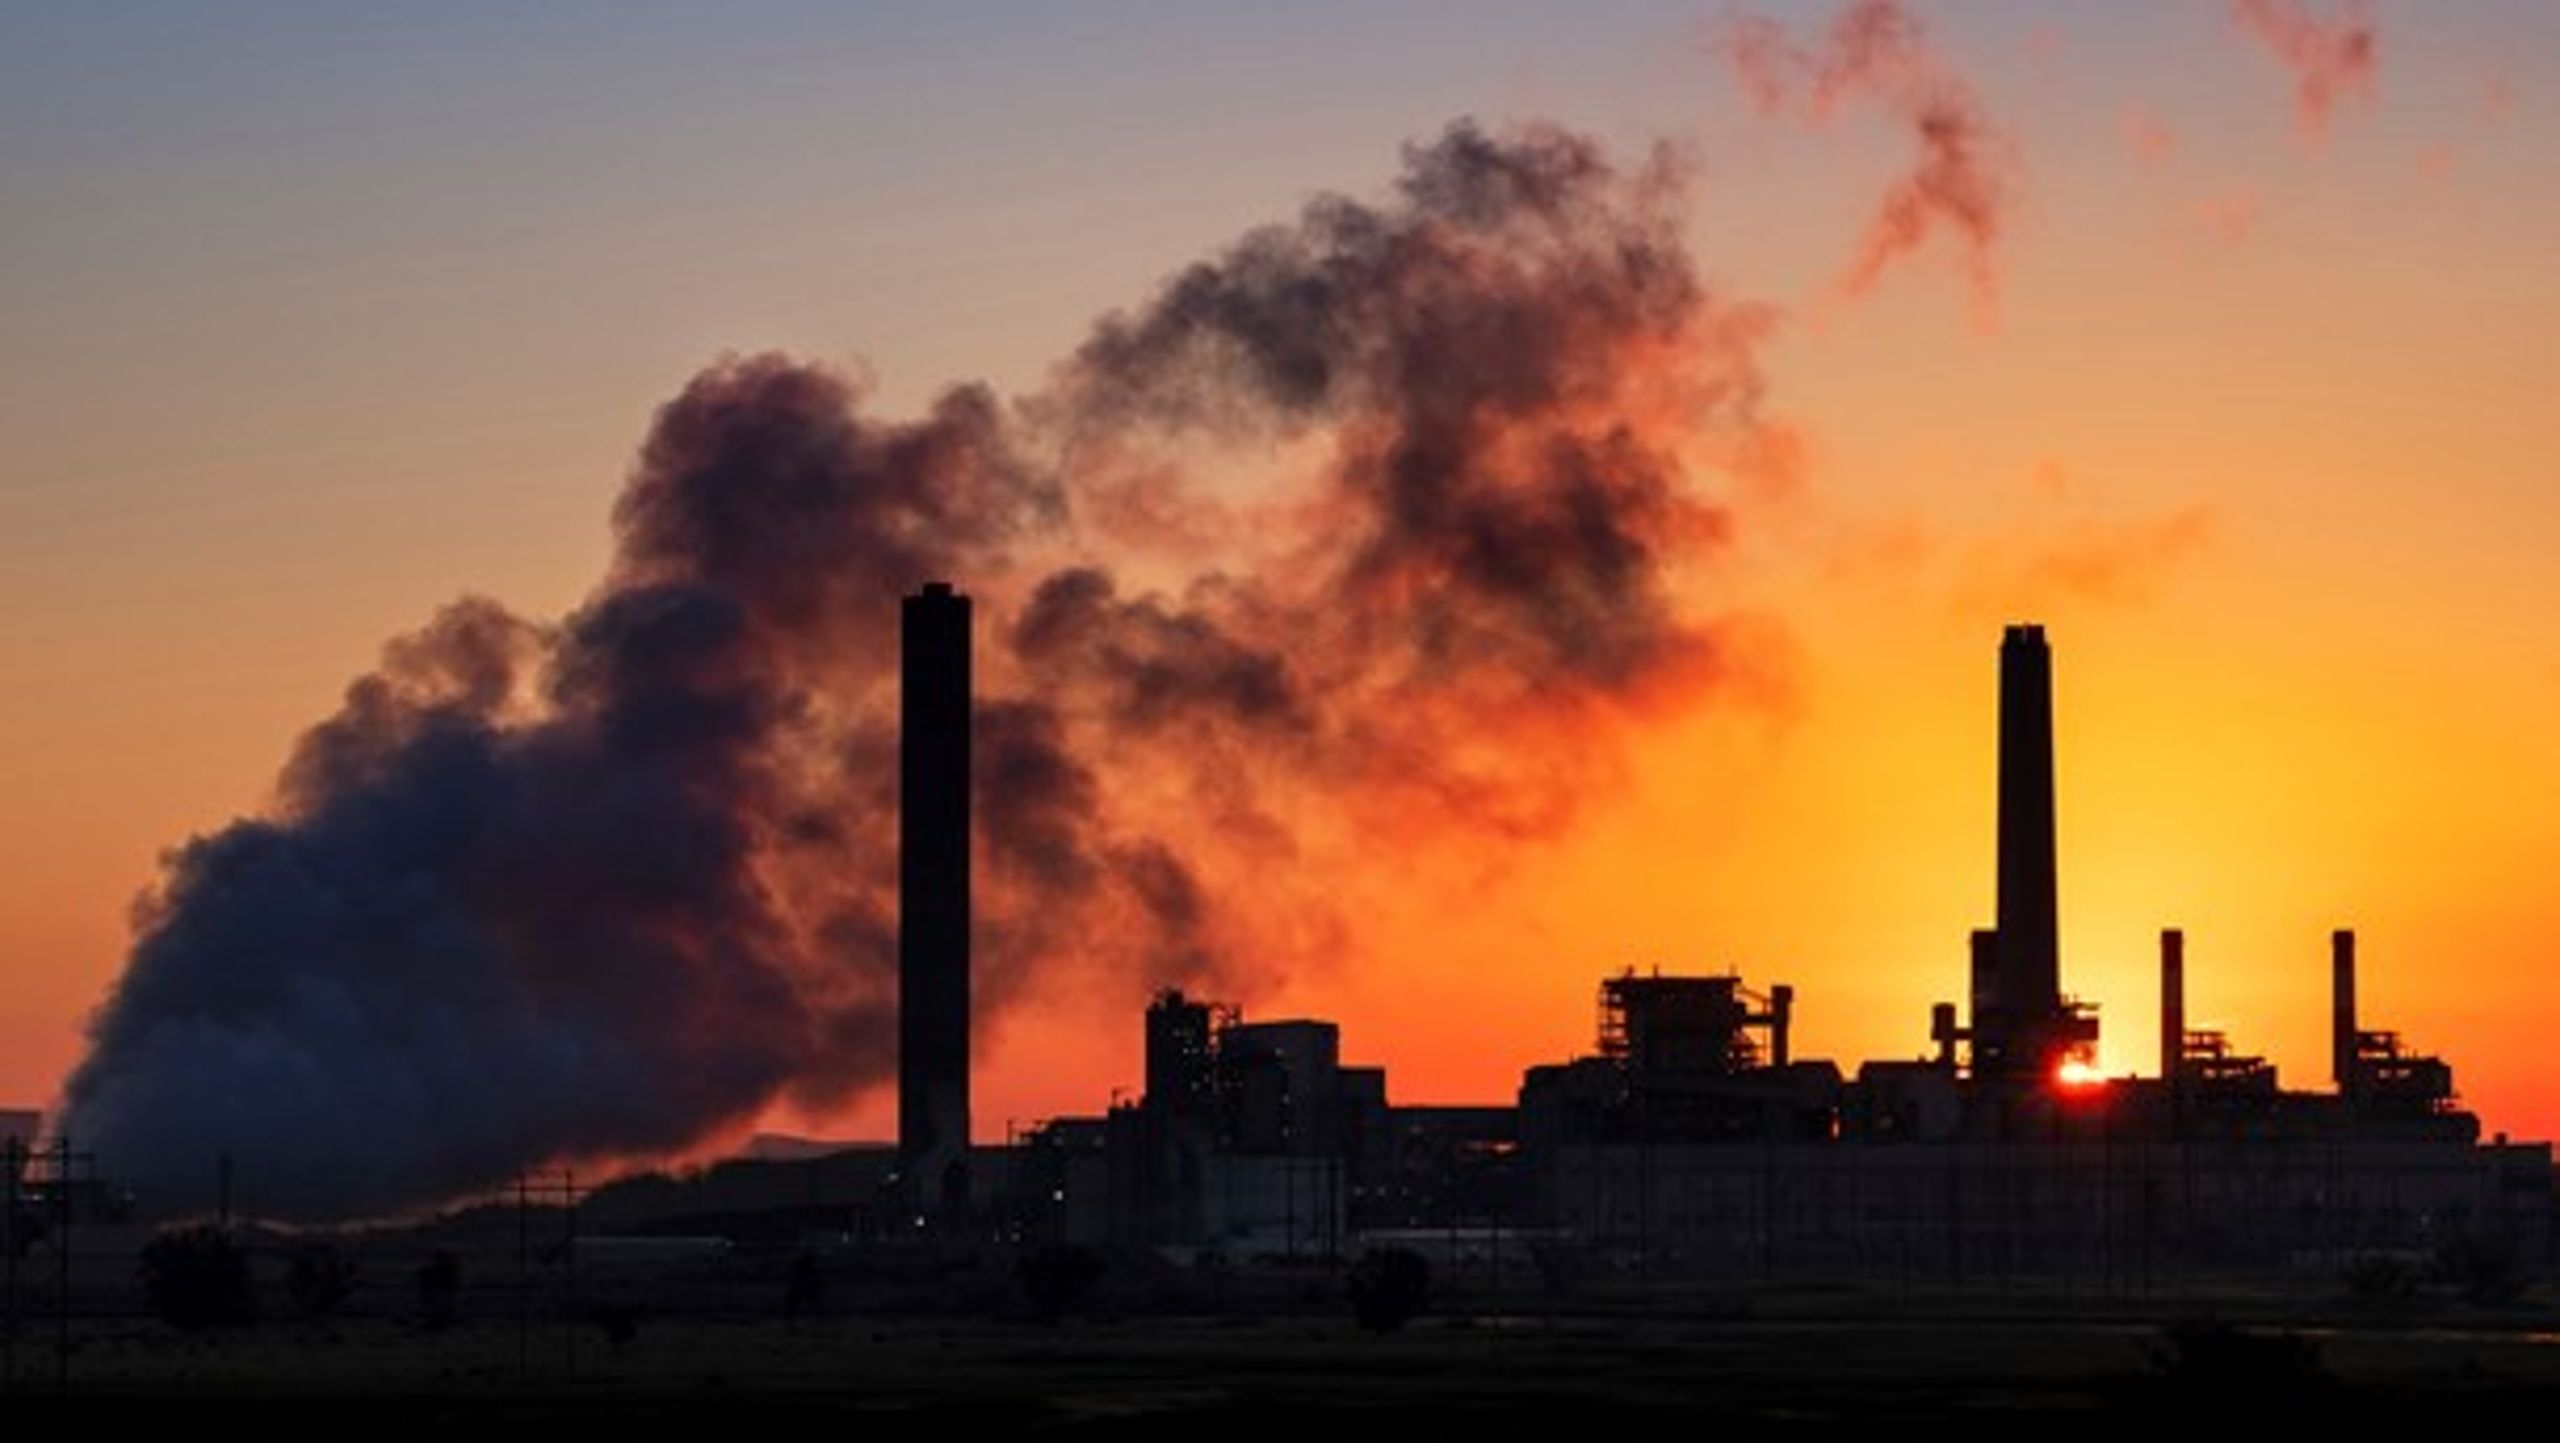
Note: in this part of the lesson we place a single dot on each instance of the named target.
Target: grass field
(1753, 1363)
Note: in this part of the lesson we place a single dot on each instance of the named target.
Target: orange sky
(309, 329)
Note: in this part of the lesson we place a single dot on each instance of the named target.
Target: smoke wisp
(1876, 54)
(2332, 56)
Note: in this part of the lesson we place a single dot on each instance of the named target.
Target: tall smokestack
(2173, 1002)
(933, 898)
(2342, 1008)
(2029, 986)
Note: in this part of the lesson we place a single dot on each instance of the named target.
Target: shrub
(197, 1278)
(2209, 1361)
(1058, 1278)
(804, 1289)
(2381, 1280)
(439, 1282)
(317, 1279)
(1388, 1286)
(619, 1322)
(2487, 1268)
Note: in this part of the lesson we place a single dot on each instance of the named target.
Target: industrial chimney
(2173, 1003)
(2342, 1008)
(2029, 976)
(933, 899)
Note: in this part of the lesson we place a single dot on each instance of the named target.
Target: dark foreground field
(1777, 1370)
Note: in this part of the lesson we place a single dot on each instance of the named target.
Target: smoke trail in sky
(1374, 531)
(1876, 53)
(2332, 56)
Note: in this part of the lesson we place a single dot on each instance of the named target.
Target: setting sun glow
(312, 330)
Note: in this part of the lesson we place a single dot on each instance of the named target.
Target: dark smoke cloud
(1877, 53)
(2332, 56)
(1152, 664)
(460, 939)
(605, 889)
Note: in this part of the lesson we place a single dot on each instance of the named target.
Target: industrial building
(1693, 1139)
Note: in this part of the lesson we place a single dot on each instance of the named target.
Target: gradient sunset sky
(314, 317)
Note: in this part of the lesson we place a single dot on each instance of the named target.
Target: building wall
(2091, 1208)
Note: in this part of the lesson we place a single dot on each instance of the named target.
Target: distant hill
(783, 1147)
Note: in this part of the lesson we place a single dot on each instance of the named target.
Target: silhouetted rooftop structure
(1692, 1134)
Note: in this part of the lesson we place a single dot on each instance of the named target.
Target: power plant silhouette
(1692, 1137)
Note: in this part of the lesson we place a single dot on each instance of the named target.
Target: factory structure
(1692, 1137)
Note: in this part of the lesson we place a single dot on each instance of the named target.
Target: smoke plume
(1876, 53)
(2332, 56)
(2112, 561)
(1375, 532)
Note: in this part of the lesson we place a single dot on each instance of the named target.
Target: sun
(2078, 1072)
